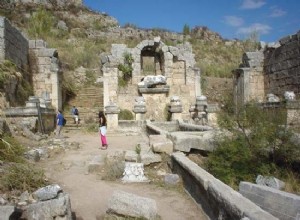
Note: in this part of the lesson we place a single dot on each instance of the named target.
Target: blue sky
(271, 19)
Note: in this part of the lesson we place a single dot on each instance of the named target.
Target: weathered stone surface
(131, 155)
(47, 192)
(51, 209)
(149, 157)
(218, 200)
(161, 144)
(171, 179)
(270, 181)
(283, 205)
(127, 204)
(9, 212)
(185, 141)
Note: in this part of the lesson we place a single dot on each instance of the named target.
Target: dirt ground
(89, 194)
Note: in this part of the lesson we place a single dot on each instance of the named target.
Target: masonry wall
(13, 45)
(282, 66)
(47, 78)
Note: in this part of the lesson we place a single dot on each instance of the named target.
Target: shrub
(40, 24)
(113, 169)
(126, 69)
(125, 114)
(259, 144)
(22, 177)
(11, 150)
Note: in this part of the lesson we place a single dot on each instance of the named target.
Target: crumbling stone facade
(35, 61)
(47, 77)
(276, 69)
(267, 76)
(152, 58)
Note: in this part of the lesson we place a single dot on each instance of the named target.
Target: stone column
(197, 82)
(201, 108)
(175, 108)
(112, 111)
(139, 108)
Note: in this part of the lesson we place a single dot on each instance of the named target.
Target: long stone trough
(218, 200)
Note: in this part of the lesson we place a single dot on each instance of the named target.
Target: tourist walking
(102, 129)
(75, 115)
(59, 123)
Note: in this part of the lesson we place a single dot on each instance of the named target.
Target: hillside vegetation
(77, 33)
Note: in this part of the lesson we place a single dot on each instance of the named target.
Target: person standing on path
(59, 123)
(102, 129)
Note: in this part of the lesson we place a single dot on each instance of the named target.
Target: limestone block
(132, 205)
(47, 192)
(149, 157)
(131, 155)
(282, 205)
(185, 141)
(8, 212)
(161, 144)
(171, 179)
(60, 207)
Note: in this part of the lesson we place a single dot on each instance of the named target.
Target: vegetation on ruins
(125, 114)
(126, 69)
(19, 175)
(259, 143)
(9, 73)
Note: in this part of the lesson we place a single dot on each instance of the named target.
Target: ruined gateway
(152, 58)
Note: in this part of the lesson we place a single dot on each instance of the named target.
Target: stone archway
(152, 62)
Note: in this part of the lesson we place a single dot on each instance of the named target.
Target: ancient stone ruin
(271, 77)
(44, 73)
(159, 72)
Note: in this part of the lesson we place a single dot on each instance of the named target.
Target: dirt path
(89, 194)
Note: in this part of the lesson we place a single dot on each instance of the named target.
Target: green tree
(186, 29)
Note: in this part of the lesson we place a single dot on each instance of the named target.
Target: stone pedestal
(139, 108)
(175, 108)
(112, 111)
(134, 172)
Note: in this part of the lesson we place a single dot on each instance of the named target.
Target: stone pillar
(139, 108)
(197, 82)
(201, 108)
(175, 108)
(112, 111)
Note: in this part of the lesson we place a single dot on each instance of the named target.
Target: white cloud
(234, 21)
(277, 12)
(252, 4)
(257, 27)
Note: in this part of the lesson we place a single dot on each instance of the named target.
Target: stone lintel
(164, 89)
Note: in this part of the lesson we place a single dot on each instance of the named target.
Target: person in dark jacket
(102, 129)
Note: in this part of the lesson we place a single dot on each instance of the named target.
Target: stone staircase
(89, 101)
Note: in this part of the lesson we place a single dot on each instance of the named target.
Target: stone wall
(273, 70)
(47, 77)
(13, 45)
(282, 66)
